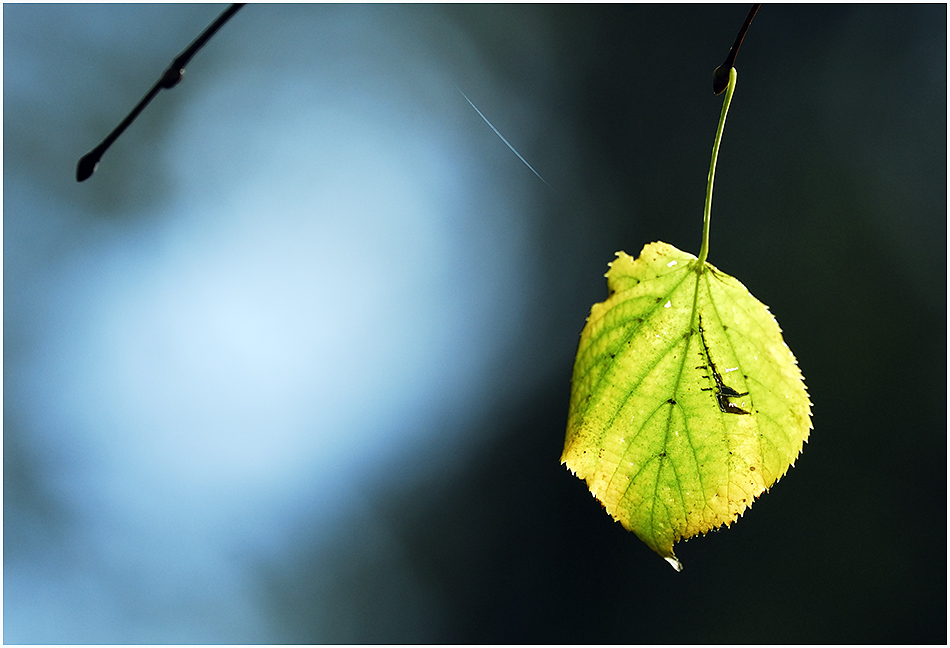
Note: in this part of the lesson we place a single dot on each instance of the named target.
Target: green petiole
(704, 250)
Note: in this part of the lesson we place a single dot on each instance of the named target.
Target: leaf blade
(686, 403)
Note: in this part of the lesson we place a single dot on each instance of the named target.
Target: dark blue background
(294, 365)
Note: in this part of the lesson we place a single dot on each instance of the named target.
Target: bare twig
(88, 163)
(721, 73)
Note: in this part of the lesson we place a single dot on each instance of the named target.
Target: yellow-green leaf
(686, 403)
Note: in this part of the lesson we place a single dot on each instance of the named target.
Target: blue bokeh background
(293, 365)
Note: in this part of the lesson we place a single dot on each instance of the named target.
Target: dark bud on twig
(721, 73)
(172, 77)
(721, 78)
(87, 164)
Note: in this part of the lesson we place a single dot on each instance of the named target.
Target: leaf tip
(674, 562)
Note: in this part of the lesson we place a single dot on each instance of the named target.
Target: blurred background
(294, 364)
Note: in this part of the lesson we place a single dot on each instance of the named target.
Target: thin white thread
(513, 150)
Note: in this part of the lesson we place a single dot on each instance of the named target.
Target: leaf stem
(704, 250)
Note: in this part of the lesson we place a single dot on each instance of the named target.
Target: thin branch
(721, 73)
(172, 76)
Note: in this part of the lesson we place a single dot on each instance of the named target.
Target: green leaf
(686, 403)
